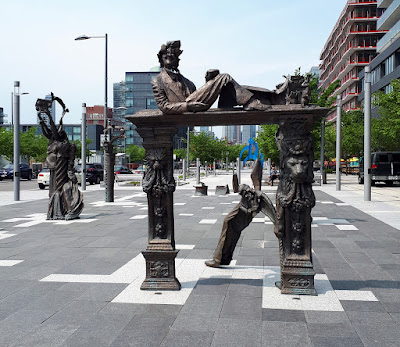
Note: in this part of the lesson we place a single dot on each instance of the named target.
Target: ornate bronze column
(159, 184)
(294, 201)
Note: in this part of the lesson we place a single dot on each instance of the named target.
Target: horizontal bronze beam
(215, 117)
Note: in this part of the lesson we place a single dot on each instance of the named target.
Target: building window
(389, 64)
(151, 103)
(388, 89)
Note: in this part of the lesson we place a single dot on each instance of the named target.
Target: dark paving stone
(246, 287)
(211, 286)
(47, 335)
(348, 285)
(287, 333)
(103, 292)
(331, 330)
(195, 323)
(202, 305)
(391, 307)
(326, 317)
(362, 306)
(283, 315)
(321, 341)
(144, 331)
(76, 313)
(237, 332)
(369, 318)
(379, 333)
(241, 307)
(179, 338)
(101, 330)
(250, 261)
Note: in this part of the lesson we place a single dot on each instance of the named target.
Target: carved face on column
(298, 167)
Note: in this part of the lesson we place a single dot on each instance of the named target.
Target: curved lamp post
(106, 128)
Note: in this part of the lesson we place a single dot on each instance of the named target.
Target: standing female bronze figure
(66, 200)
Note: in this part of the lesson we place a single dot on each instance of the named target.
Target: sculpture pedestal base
(201, 190)
(298, 279)
(160, 271)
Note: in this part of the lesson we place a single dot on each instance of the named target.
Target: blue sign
(253, 153)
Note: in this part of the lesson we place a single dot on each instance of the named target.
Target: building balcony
(390, 17)
(384, 3)
(392, 35)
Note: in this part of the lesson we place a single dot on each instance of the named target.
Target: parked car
(385, 167)
(94, 173)
(140, 169)
(24, 169)
(43, 178)
(120, 169)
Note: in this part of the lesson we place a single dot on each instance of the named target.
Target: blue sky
(255, 41)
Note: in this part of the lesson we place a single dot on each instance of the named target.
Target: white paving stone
(325, 301)
(140, 216)
(342, 204)
(346, 227)
(180, 203)
(208, 221)
(179, 246)
(7, 262)
(208, 208)
(38, 218)
(258, 220)
(5, 235)
(189, 271)
(356, 295)
(186, 214)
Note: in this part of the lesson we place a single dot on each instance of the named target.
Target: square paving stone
(283, 315)
(242, 307)
(291, 333)
(179, 338)
(326, 317)
(237, 332)
(369, 318)
(47, 335)
(332, 330)
(246, 287)
(362, 306)
(321, 341)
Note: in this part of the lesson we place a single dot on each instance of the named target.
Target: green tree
(78, 144)
(180, 153)
(6, 143)
(385, 131)
(136, 153)
(352, 134)
(266, 142)
(33, 146)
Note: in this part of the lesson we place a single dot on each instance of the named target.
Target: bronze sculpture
(286, 106)
(66, 200)
(176, 94)
(252, 202)
(294, 201)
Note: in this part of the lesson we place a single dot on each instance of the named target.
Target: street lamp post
(338, 139)
(187, 150)
(17, 149)
(83, 149)
(367, 135)
(107, 130)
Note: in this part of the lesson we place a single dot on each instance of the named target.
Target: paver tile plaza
(78, 283)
